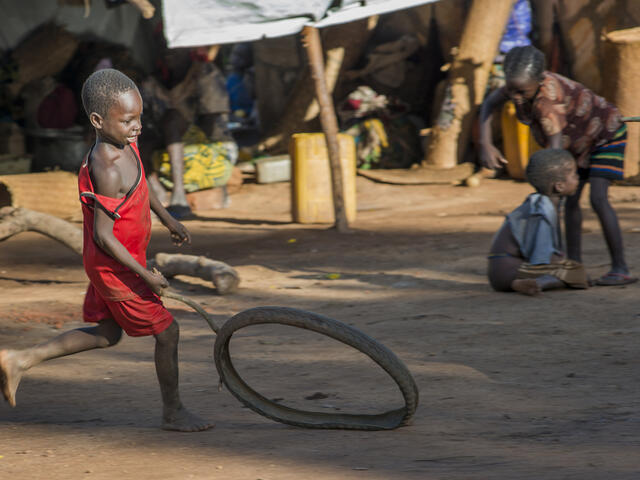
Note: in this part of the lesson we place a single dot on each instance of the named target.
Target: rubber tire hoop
(380, 354)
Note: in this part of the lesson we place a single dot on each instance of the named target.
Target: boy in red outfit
(122, 294)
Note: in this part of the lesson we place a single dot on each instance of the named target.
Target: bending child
(565, 114)
(122, 293)
(526, 254)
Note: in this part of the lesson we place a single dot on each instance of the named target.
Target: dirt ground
(511, 387)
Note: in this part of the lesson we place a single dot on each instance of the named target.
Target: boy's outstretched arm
(179, 233)
(108, 182)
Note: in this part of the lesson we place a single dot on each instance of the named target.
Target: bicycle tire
(380, 354)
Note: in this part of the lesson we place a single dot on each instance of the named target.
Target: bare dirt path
(511, 387)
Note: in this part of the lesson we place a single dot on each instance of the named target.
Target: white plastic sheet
(189, 23)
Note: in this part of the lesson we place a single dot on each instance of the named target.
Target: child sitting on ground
(526, 254)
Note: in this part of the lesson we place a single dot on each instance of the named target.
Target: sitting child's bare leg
(174, 415)
(534, 286)
(527, 286)
(14, 363)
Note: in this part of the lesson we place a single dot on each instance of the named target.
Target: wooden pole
(313, 45)
(343, 48)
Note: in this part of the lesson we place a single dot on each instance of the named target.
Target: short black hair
(525, 61)
(547, 167)
(101, 89)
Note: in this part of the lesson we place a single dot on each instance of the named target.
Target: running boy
(565, 114)
(526, 254)
(122, 294)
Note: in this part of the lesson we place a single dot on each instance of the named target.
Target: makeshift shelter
(193, 23)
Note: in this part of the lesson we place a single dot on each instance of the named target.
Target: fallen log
(223, 277)
(17, 220)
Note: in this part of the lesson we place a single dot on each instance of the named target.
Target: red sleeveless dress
(116, 291)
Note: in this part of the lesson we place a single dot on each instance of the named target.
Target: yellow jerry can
(517, 142)
(311, 193)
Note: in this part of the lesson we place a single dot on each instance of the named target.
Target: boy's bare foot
(182, 420)
(10, 375)
(527, 286)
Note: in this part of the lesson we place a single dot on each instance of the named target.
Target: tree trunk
(311, 39)
(344, 46)
(467, 81)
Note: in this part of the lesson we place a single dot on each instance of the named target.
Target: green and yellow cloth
(206, 164)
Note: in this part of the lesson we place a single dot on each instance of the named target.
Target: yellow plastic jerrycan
(517, 141)
(311, 191)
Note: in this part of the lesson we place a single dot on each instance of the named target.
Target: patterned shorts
(607, 161)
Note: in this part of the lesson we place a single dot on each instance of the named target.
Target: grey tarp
(191, 23)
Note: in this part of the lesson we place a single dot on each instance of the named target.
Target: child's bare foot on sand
(10, 375)
(527, 286)
(183, 420)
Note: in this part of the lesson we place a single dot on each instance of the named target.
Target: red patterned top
(585, 120)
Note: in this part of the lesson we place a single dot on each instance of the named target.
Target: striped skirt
(607, 161)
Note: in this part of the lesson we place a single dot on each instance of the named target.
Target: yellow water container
(311, 192)
(517, 141)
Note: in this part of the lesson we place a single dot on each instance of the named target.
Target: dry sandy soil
(511, 387)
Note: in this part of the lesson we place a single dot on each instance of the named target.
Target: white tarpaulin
(189, 23)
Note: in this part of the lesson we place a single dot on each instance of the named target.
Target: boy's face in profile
(569, 185)
(122, 124)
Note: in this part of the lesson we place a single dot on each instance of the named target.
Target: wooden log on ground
(427, 175)
(18, 220)
(223, 277)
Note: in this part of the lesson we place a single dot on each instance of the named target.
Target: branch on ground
(223, 277)
(17, 220)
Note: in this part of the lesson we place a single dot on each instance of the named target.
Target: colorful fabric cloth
(534, 225)
(585, 120)
(385, 144)
(206, 164)
(570, 272)
(116, 291)
(516, 33)
(607, 161)
(371, 142)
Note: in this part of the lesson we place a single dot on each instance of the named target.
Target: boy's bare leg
(174, 415)
(14, 363)
(535, 286)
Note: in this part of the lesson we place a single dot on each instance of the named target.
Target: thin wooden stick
(313, 45)
(193, 304)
